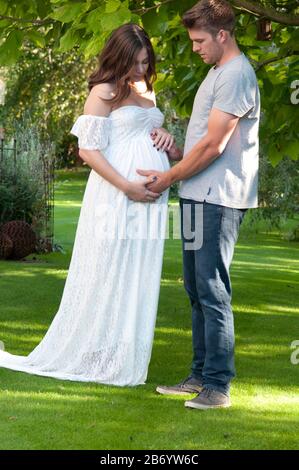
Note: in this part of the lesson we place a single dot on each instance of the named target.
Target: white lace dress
(103, 330)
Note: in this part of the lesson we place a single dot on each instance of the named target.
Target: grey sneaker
(187, 386)
(209, 398)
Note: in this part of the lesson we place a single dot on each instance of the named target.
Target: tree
(82, 26)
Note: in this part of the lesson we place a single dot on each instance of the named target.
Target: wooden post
(264, 30)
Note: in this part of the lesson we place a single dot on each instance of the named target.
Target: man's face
(207, 46)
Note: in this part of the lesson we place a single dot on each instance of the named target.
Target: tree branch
(266, 12)
(259, 65)
(144, 10)
(22, 20)
(254, 8)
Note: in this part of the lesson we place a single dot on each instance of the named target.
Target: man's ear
(222, 36)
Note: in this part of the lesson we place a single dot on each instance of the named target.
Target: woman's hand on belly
(162, 139)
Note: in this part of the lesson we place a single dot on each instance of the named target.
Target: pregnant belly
(136, 154)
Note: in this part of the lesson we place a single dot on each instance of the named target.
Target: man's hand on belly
(162, 182)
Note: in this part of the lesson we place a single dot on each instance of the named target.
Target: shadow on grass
(46, 413)
(38, 412)
(260, 325)
(262, 347)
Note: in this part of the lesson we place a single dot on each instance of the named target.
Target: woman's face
(140, 67)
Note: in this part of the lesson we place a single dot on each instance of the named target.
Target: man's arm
(221, 126)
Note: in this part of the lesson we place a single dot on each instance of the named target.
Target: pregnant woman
(103, 330)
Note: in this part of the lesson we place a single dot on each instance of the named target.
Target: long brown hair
(118, 57)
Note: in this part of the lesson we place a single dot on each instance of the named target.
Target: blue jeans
(207, 282)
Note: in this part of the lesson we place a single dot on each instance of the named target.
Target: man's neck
(228, 55)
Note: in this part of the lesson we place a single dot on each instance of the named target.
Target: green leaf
(37, 38)
(4, 23)
(110, 21)
(275, 155)
(69, 39)
(180, 72)
(94, 46)
(150, 22)
(67, 13)
(43, 9)
(292, 150)
(54, 33)
(3, 7)
(10, 49)
(32, 7)
(93, 19)
(112, 5)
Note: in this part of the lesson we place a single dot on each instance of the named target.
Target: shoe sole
(198, 406)
(164, 391)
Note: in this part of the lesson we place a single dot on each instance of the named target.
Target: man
(219, 174)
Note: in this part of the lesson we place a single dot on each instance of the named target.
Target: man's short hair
(211, 16)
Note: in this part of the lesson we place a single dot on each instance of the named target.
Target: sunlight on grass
(176, 331)
(45, 413)
(262, 265)
(45, 396)
(25, 339)
(280, 308)
(263, 351)
(68, 204)
(160, 342)
(171, 282)
(21, 325)
(57, 273)
(255, 248)
(23, 273)
(264, 309)
(275, 400)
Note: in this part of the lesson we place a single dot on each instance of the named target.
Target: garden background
(47, 50)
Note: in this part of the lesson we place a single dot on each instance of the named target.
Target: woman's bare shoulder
(98, 100)
(104, 90)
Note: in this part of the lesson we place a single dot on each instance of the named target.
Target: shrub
(26, 178)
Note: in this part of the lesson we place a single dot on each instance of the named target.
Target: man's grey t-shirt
(232, 179)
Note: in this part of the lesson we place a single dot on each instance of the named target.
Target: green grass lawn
(44, 413)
